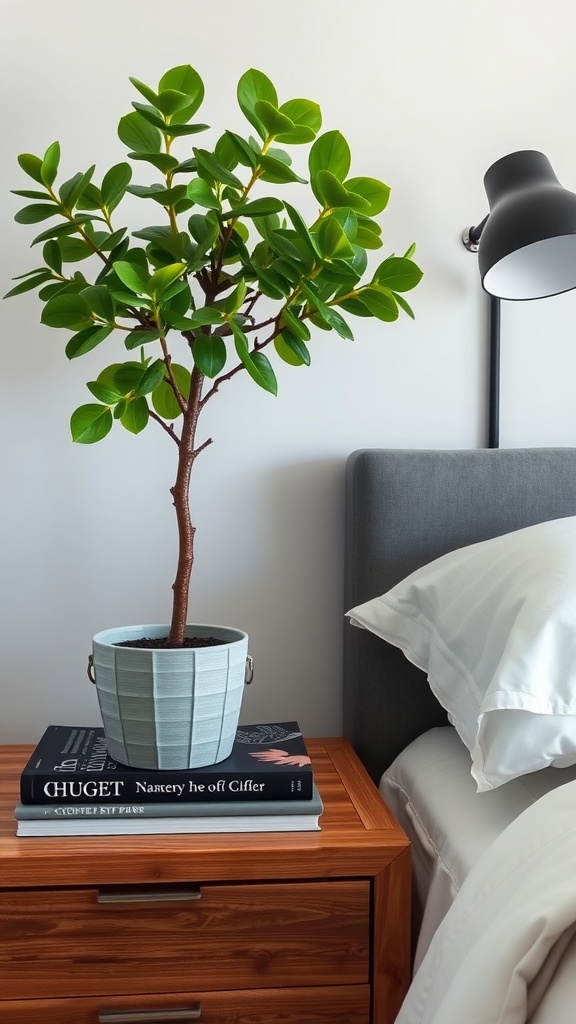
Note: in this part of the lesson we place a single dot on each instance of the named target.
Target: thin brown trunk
(181, 495)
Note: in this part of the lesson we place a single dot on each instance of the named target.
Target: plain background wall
(428, 94)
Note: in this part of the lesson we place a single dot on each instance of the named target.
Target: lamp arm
(471, 236)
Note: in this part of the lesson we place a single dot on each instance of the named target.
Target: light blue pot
(170, 708)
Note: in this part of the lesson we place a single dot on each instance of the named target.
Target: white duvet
(506, 951)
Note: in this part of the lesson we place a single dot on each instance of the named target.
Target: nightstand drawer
(348, 1004)
(86, 942)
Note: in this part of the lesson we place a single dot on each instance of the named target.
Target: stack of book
(72, 787)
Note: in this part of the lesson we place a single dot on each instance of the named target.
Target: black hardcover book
(71, 764)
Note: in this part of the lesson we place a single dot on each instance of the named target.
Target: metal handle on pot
(90, 669)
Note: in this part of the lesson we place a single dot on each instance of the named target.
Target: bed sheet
(431, 792)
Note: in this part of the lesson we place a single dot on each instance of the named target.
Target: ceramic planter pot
(170, 709)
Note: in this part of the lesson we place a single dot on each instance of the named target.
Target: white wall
(428, 95)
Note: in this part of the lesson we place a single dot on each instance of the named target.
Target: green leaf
(254, 87)
(171, 101)
(28, 193)
(203, 317)
(184, 79)
(256, 363)
(330, 316)
(232, 302)
(404, 305)
(410, 251)
(114, 184)
(332, 240)
(153, 375)
(29, 284)
(215, 169)
(303, 112)
(70, 191)
(301, 229)
(163, 398)
(199, 191)
(136, 133)
(209, 354)
(242, 150)
(135, 419)
(32, 166)
(144, 90)
(86, 340)
(277, 171)
(90, 423)
(36, 212)
(162, 161)
(109, 243)
(375, 192)
(163, 277)
(100, 301)
(398, 274)
(133, 276)
(50, 163)
(258, 208)
(332, 193)
(296, 326)
(139, 337)
(67, 310)
(380, 302)
(273, 121)
(73, 250)
(291, 349)
(331, 153)
(106, 393)
(125, 376)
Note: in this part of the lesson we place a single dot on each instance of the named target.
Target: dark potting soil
(161, 643)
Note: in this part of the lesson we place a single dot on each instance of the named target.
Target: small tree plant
(229, 274)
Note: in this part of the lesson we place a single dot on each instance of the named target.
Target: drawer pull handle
(153, 896)
(166, 1016)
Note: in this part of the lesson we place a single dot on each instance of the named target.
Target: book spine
(117, 788)
(64, 812)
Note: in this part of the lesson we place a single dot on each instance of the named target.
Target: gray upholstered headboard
(404, 508)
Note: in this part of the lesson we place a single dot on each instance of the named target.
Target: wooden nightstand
(306, 928)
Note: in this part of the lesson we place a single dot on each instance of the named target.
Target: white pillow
(494, 627)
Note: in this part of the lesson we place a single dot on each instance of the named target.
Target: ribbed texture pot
(174, 708)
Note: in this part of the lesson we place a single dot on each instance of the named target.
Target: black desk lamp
(526, 246)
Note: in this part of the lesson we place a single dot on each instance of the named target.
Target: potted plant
(221, 274)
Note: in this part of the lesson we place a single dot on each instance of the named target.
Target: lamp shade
(527, 248)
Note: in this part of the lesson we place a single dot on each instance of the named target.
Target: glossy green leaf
(199, 191)
(254, 87)
(404, 305)
(32, 166)
(109, 243)
(256, 363)
(329, 315)
(273, 284)
(209, 354)
(242, 150)
(368, 233)
(29, 284)
(296, 326)
(162, 161)
(67, 310)
(91, 198)
(171, 101)
(35, 212)
(139, 336)
(380, 302)
(29, 193)
(291, 349)
(162, 278)
(215, 169)
(125, 376)
(273, 121)
(135, 419)
(232, 302)
(331, 153)
(184, 79)
(332, 193)
(71, 190)
(136, 133)
(301, 229)
(204, 316)
(133, 276)
(100, 301)
(398, 274)
(303, 112)
(278, 172)
(50, 163)
(332, 240)
(114, 184)
(410, 251)
(90, 423)
(375, 192)
(105, 393)
(151, 378)
(73, 250)
(86, 340)
(164, 400)
(258, 208)
(144, 90)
